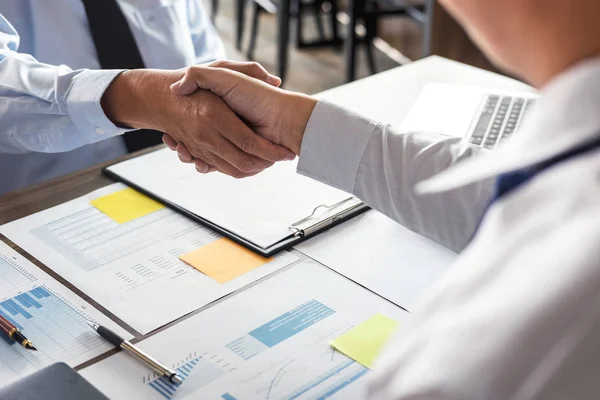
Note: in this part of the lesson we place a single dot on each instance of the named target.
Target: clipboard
(319, 218)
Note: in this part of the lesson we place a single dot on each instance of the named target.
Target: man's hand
(278, 115)
(202, 123)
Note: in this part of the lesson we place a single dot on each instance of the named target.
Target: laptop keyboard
(499, 119)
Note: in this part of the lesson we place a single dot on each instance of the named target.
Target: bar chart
(52, 317)
(196, 371)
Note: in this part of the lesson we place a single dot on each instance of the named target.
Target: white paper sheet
(269, 342)
(383, 256)
(49, 315)
(132, 269)
(259, 208)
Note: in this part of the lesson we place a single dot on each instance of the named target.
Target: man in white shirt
(518, 315)
(51, 109)
(168, 35)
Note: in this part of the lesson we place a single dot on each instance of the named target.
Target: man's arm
(382, 167)
(45, 108)
(357, 155)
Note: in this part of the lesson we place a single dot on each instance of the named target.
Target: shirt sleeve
(46, 108)
(381, 167)
(208, 45)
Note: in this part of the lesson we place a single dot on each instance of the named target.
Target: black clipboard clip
(324, 215)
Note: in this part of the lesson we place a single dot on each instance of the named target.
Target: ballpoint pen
(136, 352)
(15, 334)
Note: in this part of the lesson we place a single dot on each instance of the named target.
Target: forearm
(382, 167)
(47, 108)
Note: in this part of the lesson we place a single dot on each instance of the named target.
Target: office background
(406, 31)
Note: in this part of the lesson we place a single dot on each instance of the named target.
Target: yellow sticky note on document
(224, 260)
(364, 342)
(126, 205)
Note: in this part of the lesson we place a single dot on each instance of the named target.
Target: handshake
(228, 116)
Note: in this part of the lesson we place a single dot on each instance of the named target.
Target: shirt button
(100, 131)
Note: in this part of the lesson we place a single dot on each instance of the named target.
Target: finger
(184, 154)
(250, 68)
(169, 141)
(230, 160)
(249, 142)
(239, 160)
(223, 166)
(202, 167)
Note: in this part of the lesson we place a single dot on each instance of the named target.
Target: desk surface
(386, 97)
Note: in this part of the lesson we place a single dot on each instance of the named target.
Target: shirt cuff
(333, 145)
(84, 108)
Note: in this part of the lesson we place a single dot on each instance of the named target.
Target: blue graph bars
(167, 388)
(19, 304)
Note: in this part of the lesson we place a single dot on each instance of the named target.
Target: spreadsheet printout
(50, 315)
(132, 269)
(268, 342)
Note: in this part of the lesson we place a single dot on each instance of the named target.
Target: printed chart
(123, 265)
(52, 317)
(270, 342)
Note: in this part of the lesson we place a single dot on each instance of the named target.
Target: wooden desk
(48, 194)
(52, 193)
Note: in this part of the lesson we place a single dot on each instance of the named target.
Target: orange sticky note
(224, 260)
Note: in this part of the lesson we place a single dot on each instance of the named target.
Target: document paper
(382, 255)
(260, 208)
(268, 342)
(133, 269)
(50, 315)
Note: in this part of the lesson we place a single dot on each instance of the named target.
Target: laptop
(483, 117)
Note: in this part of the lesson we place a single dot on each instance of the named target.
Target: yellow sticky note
(224, 260)
(126, 205)
(364, 342)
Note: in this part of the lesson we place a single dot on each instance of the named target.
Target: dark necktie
(510, 181)
(116, 49)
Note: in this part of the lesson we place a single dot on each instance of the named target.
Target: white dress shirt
(518, 315)
(170, 34)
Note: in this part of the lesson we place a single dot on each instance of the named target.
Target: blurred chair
(298, 10)
(369, 12)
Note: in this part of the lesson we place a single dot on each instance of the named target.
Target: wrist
(300, 109)
(135, 98)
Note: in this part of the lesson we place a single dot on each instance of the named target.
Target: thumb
(186, 85)
(218, 80)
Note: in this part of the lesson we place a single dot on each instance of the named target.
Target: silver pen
(136, 352)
